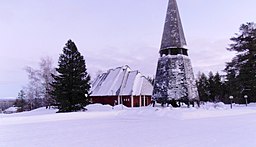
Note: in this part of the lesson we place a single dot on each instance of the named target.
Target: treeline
(213, 88)
(240, 77)
(210, 87)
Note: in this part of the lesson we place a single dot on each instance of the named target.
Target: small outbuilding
(122, 86)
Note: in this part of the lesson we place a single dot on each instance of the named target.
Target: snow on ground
(104, 126)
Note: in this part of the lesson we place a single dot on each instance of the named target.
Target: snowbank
(120, 107)
(11, 110)
(98, 107)
(209, 105)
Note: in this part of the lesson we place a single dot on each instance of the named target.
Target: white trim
(132, 101)
(118, 100)
(140, 100)
(144, 98)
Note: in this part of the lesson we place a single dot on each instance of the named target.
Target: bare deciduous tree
(38, 88)
(46, 71)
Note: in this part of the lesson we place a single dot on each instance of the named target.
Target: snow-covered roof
(121, 81)
(11, 109)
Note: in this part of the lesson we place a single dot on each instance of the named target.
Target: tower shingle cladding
(173, 35)
(174, 76)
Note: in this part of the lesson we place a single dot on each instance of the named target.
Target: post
(231, 98)
(246, 102)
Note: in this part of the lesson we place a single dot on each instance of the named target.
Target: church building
(122, 86)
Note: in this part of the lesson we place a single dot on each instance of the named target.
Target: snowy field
(101, 126)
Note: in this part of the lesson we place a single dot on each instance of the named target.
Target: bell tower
(174, 79)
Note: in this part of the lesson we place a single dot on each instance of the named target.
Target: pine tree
(232, 81)
(203, 87)
(219, 87)
(211, 87)
(71, 85)
(20, 101)
(241, 71)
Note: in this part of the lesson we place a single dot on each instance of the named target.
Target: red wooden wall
(126, 100)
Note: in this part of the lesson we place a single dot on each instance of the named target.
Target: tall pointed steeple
(173, 35)
(174, 79)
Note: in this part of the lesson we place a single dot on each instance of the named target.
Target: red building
(122, 86)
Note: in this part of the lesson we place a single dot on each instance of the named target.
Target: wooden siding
(126, 100)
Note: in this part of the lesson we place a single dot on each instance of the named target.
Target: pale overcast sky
(112, 33)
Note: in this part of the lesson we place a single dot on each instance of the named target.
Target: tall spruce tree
(203, 87)
(211, 87)
(218, 88)
(241, 71)
(71, 85)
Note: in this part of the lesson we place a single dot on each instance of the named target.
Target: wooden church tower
(174, 79)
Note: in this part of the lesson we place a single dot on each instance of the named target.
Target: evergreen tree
(232, 83)
(211, 87)
(218, 87)
(71, 85)
(241, 71)
(225, 93)
(202, 86)
(20, 101)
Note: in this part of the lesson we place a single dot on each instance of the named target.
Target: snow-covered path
(138, 127)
